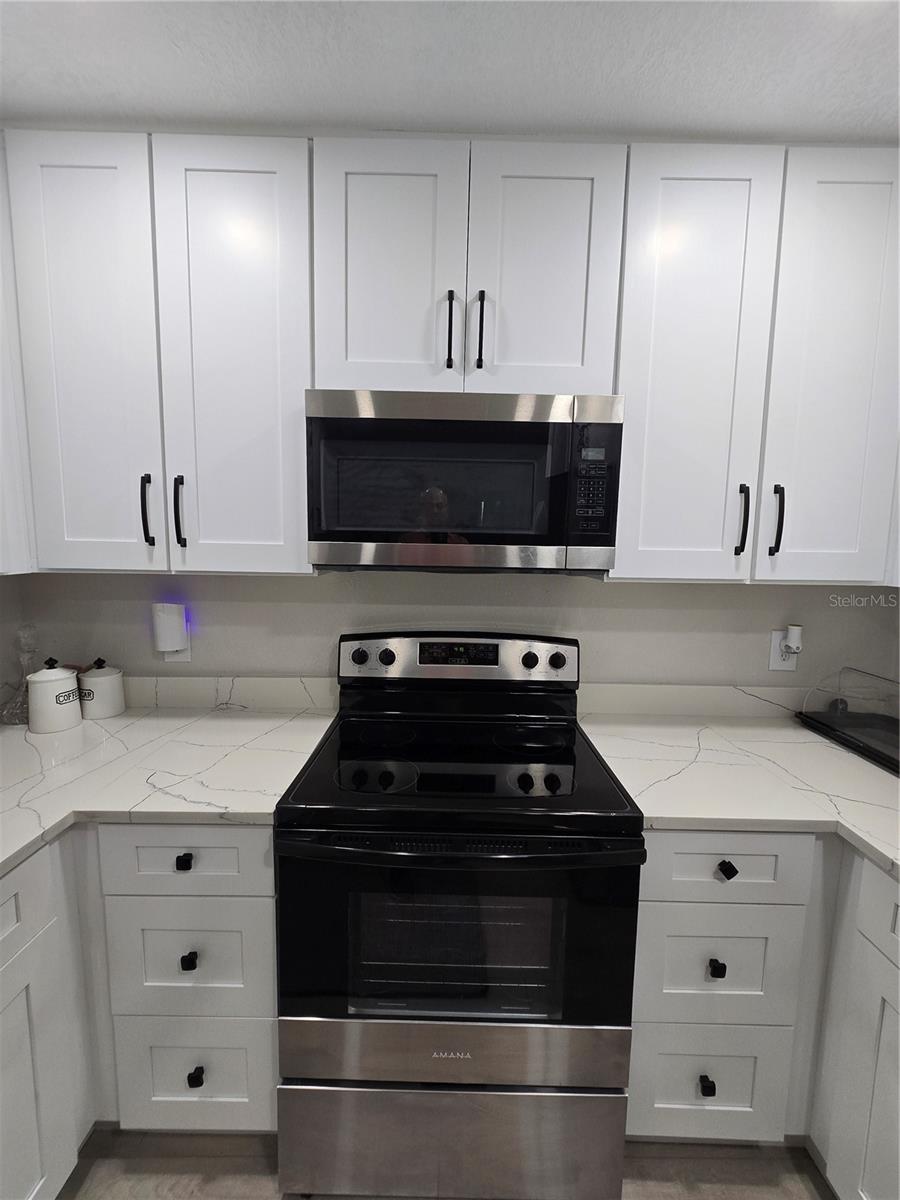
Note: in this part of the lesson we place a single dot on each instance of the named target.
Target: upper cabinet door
(831, 434)
(702, 232)
(232, 251)
(545, 242)
(84, 267)
(390, 263)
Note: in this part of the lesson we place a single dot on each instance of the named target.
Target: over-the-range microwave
(472, 481)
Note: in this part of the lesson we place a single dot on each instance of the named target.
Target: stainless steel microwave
(471, 481)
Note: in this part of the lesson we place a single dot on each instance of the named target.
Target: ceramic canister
(102, 691)
(53, 699)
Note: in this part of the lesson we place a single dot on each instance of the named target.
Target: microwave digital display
(459, 654)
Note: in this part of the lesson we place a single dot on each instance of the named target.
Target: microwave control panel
(593, 489)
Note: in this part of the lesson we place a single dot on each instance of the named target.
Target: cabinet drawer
(26, 904)
(748, 1065)
(878, 915)
(733, 963)
(765, 868)
(231, 1062)
(186, 860)
(191, 955)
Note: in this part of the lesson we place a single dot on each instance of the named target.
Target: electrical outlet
(777, 661)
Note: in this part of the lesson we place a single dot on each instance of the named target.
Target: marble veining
(230, 761)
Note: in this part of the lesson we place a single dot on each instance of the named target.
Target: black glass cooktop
(377, 772)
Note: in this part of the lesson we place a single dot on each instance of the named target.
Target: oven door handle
(440, 860)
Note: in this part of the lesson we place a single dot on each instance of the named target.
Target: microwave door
(436, 492)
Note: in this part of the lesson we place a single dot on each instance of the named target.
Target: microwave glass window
(439, 481)
(456, 956)
(438, 493)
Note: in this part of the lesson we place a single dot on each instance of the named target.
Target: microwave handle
(303, 849)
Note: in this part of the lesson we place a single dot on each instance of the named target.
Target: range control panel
(499, 659)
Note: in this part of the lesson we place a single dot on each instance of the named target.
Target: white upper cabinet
(701, 242)
(84, 268)
(232, 251)
(390, 263)
(831, 434)
(16, 539)
(545, 243)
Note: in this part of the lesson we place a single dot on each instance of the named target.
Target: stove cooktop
(374, 773)
(458, 733)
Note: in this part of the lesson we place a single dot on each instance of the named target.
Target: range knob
(359, 657)
(552, 783)
(525, 782)
(557, 660)
(359, 778)
(386, 657)
(386, 780)
(529, 660)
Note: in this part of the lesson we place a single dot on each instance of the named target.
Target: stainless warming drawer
(473, 1145)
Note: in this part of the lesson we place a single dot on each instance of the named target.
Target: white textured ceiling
(785, 71)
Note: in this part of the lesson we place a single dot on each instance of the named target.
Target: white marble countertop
(231, 763)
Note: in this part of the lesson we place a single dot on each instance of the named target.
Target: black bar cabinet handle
(176, 509)
(745, 523)
(451, 296)
(717, 970)
(189, 961)
(707, 1086)
(779, 528)
(195, 1077)
(145, 517)
(479, 361)
(462, 861)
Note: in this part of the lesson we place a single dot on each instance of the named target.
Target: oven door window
(545, 945)
(456, 956)
(437, 482)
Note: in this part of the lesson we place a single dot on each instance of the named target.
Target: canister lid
(99, 670)
(50, 672)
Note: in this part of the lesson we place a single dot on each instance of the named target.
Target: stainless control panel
(386, 777)
(458, 656)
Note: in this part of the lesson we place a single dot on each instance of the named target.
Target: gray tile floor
(124, 1166)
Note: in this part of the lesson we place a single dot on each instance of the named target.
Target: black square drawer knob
(707, 1086)
(184, 862)
(189, 961)
(717, 970)
(727, 869)
(195, 1078)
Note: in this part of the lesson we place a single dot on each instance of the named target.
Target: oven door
(536, 930)
(402, 479)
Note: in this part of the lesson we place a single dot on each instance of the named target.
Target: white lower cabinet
(188, 1073)
(38, 1137)
(716, 984)
(709, 1081)
(192, 976)
(855, 1117)
(863, 1162)
(718, 962)
(184, 955)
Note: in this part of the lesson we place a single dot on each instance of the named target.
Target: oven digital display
(593, 453)
(459, 654)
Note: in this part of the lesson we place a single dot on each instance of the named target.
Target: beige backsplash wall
(10, 619)
(630, 633)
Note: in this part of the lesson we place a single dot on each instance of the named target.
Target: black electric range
(457, 874)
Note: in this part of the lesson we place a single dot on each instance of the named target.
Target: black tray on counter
(870, 735)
